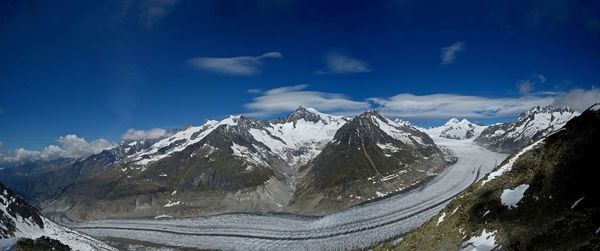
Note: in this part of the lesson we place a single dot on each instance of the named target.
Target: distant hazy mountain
(456, 129)
(18, 219)
(542, 198)
(530, 126)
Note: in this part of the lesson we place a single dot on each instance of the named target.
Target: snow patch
(577, 202)
(172, 204)
(484, 242)
(511, 197)
(508, 166)
(441, 218)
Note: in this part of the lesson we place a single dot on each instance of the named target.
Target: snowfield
(358, 227)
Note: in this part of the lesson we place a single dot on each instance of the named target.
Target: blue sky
(98, 68)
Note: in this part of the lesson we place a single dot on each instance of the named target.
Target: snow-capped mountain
(18, 219)
(245, 164)
(376, 155)
(542, 198)
(456, 129)
(530, 126)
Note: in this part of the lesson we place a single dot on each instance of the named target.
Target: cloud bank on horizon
(69, 146)
(411, 106)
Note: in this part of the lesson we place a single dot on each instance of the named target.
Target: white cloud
(152, 11)
(243, 66)
(436, 106)
(341, 64)
(287, 98)
(578, 99)
(432, 106)
(133, 134)
(254, 91)
(20, 155)
(526, 86)
(449, 53)
(70, 146)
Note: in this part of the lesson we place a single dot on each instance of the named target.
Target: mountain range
(529, 127)
(306, 163)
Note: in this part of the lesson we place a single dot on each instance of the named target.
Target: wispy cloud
(148, 13)
(242, 66)
(133, 134)
(528, 85)
(152, 11)
(287, 98)
(407, 105)
(69, 146)
(578, 99)
(342, 64)
(435, 106)
(449, 53)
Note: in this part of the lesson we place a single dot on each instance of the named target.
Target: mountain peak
(452, 121)
(308, 114)
(548, 109)
(371, 113)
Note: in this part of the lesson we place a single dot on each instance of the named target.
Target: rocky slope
(369, 157)
(456, 129)
(530, 126)
(542, 198)
(18, 219)
(42, 180)
(243, 164)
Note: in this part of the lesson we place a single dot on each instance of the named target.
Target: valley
(357, 227)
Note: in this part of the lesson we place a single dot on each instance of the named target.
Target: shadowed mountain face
(244, 164)
(530, 126)
(369, 157)
(543, 198)
(14, 208)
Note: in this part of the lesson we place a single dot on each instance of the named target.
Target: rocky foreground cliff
(541, 198)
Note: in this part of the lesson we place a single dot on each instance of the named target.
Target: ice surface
(355, 228)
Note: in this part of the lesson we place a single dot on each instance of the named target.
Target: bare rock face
(530, 126)
(369, 157)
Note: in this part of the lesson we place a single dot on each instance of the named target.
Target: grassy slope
(561, 171)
